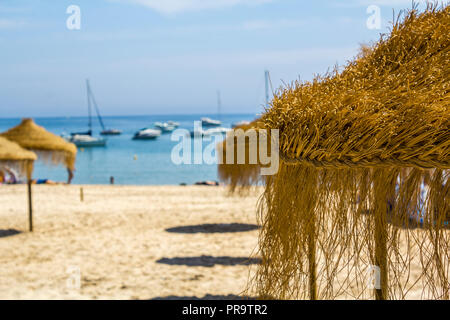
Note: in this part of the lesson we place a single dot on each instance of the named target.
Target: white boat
(165, 127)
(240, 123)
(209, 132)
(84, 140)
(173, 123)
(208, 122)
(111, 132)
(147, 134)
(217, 130)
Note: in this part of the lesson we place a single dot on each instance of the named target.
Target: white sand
(115, 237)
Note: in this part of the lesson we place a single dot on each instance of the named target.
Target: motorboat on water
(110, 132)
(210, 132)
(147, 134)
(240, 123)
(165, 127)
(208, 122)
(84, 140)
(173, 123)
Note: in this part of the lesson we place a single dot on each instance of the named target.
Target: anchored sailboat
(208, 122)
(104, 132)
(85, 139)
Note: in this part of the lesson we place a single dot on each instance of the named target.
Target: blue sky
(171, 56)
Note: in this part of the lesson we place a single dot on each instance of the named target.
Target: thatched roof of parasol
(391, 106)
(11, 154)
(48, 145)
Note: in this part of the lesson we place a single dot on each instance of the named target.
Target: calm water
(130, 162)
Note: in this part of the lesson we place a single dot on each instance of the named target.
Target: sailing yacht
(104, 132)
(208, 122)
(85, 139)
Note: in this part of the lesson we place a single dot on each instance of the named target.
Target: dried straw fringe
(240, 177)
(64, 158)
(339, 210)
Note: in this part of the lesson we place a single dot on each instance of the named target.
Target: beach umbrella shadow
(209, 261)
(215, 228)
(8, 233)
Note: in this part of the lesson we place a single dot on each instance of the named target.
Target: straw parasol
(12, 155)
(49, 147)
(364, 173)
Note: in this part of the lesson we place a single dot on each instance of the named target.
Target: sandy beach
(126, 242)
(129, 242)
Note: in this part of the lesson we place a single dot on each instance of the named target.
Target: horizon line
(133, 115)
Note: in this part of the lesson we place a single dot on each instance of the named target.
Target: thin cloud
(273, 24)
(387, 3)
(246, 58)
(7, 9)
(178, 6)
(11, 24)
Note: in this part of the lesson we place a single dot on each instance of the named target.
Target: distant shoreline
(132, 116)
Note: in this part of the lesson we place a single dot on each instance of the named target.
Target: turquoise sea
(130, 162)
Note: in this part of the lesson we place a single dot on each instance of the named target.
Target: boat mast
(96, 108)
(266, 74)
(89, 106)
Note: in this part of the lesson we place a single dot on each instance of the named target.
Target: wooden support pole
(30, 207)
(381, 230)
(381, 257)
(312, 269)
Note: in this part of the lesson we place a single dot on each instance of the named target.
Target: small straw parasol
(14, 156)
(49, 147)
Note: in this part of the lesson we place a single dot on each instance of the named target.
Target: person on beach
(7, 176)
(70, 177)
(207, 183)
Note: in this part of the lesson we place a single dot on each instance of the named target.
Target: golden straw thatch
(239, 176)
(49, 146)
(12, 155)
(363, 181)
